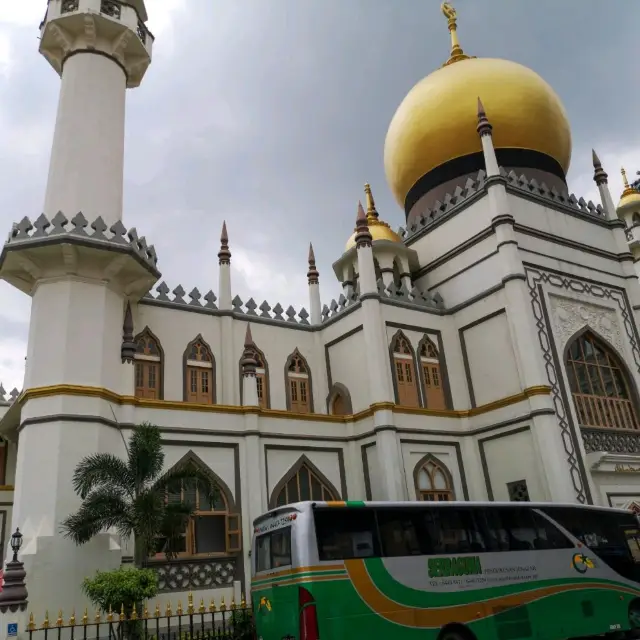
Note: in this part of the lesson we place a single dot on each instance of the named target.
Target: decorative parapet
(456, 200)
(13, 396)
(246, 309)
(192, 575)
(336, 307)
(61, 230)
(400, 293)
(461, 197)
(565, 199)
(610, 440)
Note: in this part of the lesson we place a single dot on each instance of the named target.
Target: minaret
(314, 288)
(248, 364)
(99, 48)
(224, 276)
(84, 275)
(523, 333)
(601, 179)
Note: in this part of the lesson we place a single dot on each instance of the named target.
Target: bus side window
(453, 530)
(547, 535)
(344, 534)
(402, 533)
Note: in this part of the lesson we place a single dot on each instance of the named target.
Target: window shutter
(234, 539)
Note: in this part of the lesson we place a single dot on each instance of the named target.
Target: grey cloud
(273, 115)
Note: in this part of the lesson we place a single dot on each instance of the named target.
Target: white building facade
(489, 351)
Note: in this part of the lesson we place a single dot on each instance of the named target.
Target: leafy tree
(129, 495)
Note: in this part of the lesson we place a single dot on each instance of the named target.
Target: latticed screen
(600, 390)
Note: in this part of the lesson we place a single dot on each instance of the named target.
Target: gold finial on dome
(628, 189)
(630, 197)
(457, 53)
(371, 205)
(379, 229)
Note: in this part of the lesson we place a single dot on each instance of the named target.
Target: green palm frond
(173, 526)
(148, 512)
(146, 457)
(102, 509)
(102, 470)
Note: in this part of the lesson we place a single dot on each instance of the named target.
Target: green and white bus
(445, 571)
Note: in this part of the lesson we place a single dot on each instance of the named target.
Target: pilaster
(545, 430)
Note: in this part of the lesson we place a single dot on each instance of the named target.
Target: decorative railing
(69, 5)
(400, 293)
(188, 575)
(111, 8)
(13, 395)
(610, 440)
(604, 412)
(199, 622)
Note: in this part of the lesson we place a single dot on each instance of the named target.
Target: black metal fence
(193, 623)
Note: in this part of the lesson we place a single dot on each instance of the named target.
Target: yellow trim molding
(174, 405)
(6, 487)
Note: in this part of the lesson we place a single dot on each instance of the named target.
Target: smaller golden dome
(630, 197)
(378, 229)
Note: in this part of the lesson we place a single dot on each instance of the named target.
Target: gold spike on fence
(201, 608)
(59, 621)
(45, 624)
(72, 619)
(98, 617)
(212, 606)
(110, 614)
(157, 611)
(122, 616)
(145, 612)
(223, 606)
(32, 623)
(233, 602)
(243, 602)
(85, 617)
(134, 614)
(190, 609)
(168, 610)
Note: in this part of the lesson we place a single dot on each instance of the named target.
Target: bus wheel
(456, 632)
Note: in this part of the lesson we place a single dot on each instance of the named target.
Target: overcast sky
(272, 114)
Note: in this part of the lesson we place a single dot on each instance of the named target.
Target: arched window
(431, 375)
(148, 366)
(339, 400)
(599, 385)
(433, 480)
(298, 381)
(262, 377)
(199, 373)
(214, 526)
(404, 371)
(303, 482)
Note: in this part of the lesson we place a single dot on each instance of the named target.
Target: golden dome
(630, 197)
(378, 229)
(437, 120)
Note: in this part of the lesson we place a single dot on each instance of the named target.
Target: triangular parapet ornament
(79, 230)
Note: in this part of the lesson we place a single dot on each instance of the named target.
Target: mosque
(488, 350)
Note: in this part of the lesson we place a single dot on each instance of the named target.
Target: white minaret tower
(83, 271)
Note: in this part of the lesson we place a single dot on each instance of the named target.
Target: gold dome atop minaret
(432, 137)
(378, 229)
(630, 197)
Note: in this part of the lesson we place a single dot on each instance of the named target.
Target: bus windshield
(614, 538)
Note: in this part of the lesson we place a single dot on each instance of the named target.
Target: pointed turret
(601, 179)
(363, 235)
(224, 275)
(484, 130)
(599, 174)
(248, 361)
(312, 274)
(314, 289)
(128, 348)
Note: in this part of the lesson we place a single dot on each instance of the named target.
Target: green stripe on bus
(294, 576)
(355, 503)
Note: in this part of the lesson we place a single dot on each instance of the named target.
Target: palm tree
(130, 496)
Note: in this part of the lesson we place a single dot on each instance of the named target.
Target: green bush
(125, 586)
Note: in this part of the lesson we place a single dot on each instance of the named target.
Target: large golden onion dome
(630, 197)
(378, 229)
(436, 122)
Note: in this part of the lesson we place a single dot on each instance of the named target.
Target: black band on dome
(472, 163)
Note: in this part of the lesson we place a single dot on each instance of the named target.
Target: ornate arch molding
(296, 353)
(620, 361)
(338, 389)
(538, 281)
(426, 459)
(303, 461)
(399, 334)
(214, 377)
(191, 458)
(147, 332)
(266, 375)
(444, 374)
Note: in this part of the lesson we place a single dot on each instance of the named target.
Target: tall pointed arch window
(213, 529)
(262, 377)
(303, 482)
(404, 372)
(433, 480)
(298, 384)
(148, 366)
(599, 385)
(199, 373)
(431, 375)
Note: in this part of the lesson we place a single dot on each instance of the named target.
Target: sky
(272, 114)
